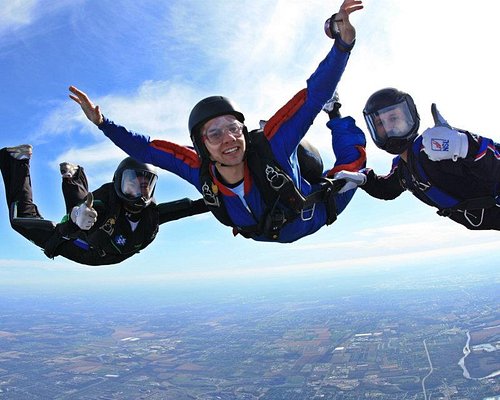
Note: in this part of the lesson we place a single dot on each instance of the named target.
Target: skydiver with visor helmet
(105, 226)
(451, 169)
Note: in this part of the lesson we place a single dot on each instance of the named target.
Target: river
(464, 368)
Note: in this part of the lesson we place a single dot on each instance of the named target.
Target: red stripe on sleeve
(355, 166)
(183, 153)
(284, 113)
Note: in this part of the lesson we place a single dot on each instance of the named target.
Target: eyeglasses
(216, 136)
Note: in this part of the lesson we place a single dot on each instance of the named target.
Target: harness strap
(478, 203)
(328, 186)
(276, 217)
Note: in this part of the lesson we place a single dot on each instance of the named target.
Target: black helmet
(206, 109)
(387, 136)
(135, 183)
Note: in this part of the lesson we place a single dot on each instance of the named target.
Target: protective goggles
(216, 136)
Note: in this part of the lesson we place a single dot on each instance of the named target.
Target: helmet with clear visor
(392, 120)
(135, 183)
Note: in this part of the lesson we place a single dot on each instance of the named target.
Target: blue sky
(147, 63)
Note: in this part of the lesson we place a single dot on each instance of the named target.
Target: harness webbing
(284, 202)
(445, 202)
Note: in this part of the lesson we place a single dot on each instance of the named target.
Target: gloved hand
(444, 143)
(353, 179)
(84, 215)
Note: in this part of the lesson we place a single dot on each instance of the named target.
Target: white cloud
(15, 13)
(433, 240)
(261, 59)
(451, 254)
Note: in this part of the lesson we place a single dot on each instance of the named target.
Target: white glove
(84, 215)
(443, 143)
(353, 179)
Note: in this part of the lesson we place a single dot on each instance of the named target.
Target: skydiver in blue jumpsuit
(223, 147)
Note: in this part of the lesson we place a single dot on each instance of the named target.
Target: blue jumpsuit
(284, 132)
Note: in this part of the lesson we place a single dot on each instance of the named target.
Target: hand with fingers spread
(347, 31)
(91, 110)
(339, 25)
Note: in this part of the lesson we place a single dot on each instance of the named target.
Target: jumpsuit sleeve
(182, 208)
(180, 160)
(289, 124)
(348, 144)
(383, 187)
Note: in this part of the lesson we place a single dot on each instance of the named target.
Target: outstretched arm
(92, 111)
(301, 110)
(180, 209)
(382, 187)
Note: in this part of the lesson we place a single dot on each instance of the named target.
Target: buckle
(209, 197)
(469, 216)
(421, 185)
(275, 178)
(309, 212)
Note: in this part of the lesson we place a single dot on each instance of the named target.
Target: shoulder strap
(211, 196)
(273, 182)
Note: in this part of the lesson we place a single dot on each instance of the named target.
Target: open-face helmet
(205, 110)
